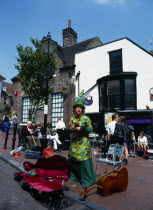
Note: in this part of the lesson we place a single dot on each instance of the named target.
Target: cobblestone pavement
(138, 195)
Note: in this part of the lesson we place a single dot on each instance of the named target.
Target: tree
(32, 66)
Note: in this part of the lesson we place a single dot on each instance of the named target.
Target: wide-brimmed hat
(78, 103)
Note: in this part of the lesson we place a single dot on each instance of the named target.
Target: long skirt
(82, 171)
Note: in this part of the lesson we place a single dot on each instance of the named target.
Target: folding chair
(113, 157)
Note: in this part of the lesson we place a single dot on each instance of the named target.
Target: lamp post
(77, 78)
(48, 47)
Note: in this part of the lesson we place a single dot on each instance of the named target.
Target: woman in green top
(80, 157)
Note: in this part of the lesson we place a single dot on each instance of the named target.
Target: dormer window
(115, 59)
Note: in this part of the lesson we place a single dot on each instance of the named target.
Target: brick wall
(56, 83)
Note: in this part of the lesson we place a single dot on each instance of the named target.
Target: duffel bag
(29, 154)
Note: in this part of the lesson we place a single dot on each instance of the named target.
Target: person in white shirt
(60, 124)
(111, 126)
(142, 141)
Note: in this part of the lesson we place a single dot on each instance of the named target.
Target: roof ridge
(80, 42)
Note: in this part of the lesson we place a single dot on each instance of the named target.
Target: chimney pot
(69, 23)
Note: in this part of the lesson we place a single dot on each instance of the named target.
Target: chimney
(69, 36)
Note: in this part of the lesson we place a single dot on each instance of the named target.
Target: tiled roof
(1, 77)
(69, 52)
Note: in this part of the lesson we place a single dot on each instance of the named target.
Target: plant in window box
(10, 97)
(64, 88)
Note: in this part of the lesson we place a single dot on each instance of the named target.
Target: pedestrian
(111, 127)
(14, 119)
(6, 123)
(79, 156)
(60, 124)
(120, 137)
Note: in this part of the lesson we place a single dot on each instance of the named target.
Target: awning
(139, 121)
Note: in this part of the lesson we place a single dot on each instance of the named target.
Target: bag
(36, 148)
(119, 132)
(48, 152)
(29, 154)
(146, 155)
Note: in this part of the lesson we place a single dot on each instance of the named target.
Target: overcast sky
(108, 19)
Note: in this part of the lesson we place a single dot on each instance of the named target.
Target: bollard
(14, 136)
(6, 137)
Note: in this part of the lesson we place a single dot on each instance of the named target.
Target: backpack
(119, 131)
(129, 130)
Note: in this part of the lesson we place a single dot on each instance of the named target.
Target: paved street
(11, 194)
(138, 195)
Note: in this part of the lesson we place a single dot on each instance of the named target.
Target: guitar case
(107, 184)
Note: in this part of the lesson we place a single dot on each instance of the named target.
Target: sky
(110, 20)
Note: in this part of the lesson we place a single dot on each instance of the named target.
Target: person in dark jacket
(120, 136)
(6, 123)
(28, 132)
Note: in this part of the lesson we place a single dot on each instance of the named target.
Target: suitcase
(29, 154)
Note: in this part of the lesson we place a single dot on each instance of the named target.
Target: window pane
(129, 86)
(115, 61)
(57, 111)
(27, 113)
(113, 93)
(113, 87)
(114, 101)
(130, 101)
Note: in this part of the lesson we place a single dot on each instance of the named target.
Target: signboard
(151, 94)
(108, 118)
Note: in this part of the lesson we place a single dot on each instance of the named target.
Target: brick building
(61, 100)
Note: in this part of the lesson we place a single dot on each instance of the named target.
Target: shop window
(57, 108)
(115, 58)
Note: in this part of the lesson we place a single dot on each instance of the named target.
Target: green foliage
(6, 107)
(32, 66)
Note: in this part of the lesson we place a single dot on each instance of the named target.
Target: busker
(80, 157)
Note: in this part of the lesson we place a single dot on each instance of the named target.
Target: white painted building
(95, 63)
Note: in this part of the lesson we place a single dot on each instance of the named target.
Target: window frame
(103, 97)
(115, 61)
(28, 104)
(57, 108)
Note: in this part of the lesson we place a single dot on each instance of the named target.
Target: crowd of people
(34, 135)
(7, 121)
(80, 156)
(118, 131)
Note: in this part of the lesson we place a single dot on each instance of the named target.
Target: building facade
(118, 77)
(63, 83)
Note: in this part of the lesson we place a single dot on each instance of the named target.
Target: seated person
(142, 142)
(52, 135)
(39, 133)
(28, 132)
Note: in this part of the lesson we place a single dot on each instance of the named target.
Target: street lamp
(48, 46)
(77, 78)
